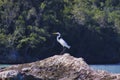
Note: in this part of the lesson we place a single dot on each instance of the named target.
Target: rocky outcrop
(58, 67)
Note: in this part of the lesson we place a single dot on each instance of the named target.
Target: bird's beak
(54, 33)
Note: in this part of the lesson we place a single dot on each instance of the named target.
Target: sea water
(4, 65)
(108, 68)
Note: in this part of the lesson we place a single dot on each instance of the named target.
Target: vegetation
(91, 27)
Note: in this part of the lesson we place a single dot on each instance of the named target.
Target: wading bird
(62, 42)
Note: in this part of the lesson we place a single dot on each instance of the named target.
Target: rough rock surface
(58, 67)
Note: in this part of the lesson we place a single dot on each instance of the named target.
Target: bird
(62, 42)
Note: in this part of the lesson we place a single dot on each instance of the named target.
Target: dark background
(91, 28)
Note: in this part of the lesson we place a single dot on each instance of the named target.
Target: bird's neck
(58, 37)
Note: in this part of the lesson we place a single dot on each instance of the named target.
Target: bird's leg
(63, 50)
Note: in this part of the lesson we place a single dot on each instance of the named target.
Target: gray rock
(58, 67)
(8, 73)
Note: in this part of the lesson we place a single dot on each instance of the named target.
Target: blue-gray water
(4, 65)
(109, 68)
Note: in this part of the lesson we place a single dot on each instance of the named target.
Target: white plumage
(61, 41)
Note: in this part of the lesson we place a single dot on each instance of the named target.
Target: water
(108, 68)
(4, 65)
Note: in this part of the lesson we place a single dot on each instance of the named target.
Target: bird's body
(62, 42)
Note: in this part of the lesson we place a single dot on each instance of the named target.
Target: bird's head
(56, 33)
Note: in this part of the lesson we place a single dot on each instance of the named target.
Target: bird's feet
(62, 52)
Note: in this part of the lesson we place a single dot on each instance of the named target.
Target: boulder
(58, 67)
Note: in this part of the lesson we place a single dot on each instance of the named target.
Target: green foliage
(99, 12)
(2, 2)
(28, 24)
(19, 25)
(2, 39)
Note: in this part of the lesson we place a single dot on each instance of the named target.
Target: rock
(58, 67)
(8, 73)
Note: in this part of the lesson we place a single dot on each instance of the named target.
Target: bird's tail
(68, 47)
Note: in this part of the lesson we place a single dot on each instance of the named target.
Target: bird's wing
(63, 43)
